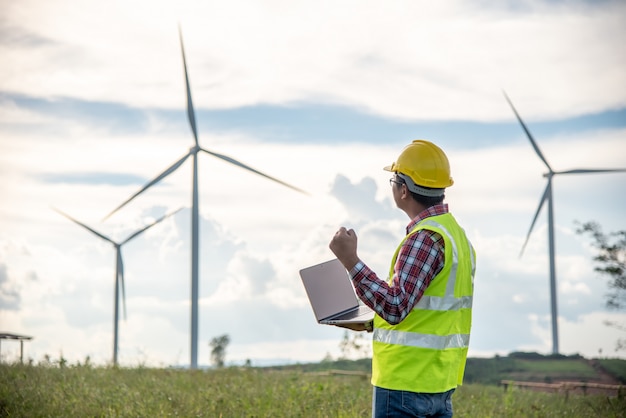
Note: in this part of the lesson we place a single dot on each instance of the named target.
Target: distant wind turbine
(193, 152)
(547, 196)
(119, 271)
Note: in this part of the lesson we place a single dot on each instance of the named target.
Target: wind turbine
(193, 152)
(119, 271)
(547, 196)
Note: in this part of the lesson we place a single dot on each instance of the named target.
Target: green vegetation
(362, 365)
(27, 391)
(57, 389)
(615, 367)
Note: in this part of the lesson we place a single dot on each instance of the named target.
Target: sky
(320, 95)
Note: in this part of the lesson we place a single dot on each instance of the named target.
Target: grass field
(85, 391)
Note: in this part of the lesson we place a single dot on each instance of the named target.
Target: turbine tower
(193, 152)
(119, 271)
(547, 196)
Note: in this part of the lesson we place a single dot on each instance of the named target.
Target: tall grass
(84, 391)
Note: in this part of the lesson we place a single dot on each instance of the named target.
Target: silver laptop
(332, 296)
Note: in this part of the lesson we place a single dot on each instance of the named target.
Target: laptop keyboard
(362, 310)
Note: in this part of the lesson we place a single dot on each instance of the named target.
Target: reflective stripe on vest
(455, 257)
(412, 339)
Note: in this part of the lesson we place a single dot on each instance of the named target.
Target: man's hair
(426, 200)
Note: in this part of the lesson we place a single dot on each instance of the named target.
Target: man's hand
(344, 245)
(369, 326)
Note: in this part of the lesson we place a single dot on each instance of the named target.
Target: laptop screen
(329, 289)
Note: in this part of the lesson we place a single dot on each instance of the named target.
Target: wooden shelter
(20, 338)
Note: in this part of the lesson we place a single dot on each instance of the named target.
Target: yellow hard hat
(425, 163)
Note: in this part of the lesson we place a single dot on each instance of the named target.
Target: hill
(520, 366)
(533, 367)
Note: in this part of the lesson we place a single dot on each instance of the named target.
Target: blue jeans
(388, 403)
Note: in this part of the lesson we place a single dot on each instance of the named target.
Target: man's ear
(405, 191)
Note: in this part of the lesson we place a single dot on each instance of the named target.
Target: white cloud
(405, 61)
(590, 336)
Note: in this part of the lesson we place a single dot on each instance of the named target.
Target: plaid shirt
(420, 259)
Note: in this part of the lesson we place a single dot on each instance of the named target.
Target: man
(421, 330)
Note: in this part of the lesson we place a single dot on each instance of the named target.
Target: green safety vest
(426, 352)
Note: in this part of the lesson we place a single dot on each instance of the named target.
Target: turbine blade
(191, 114)
(160, 177)
(121, 279)
(149, 226)
(528, 134)
(587, 171)
(242, 165)
(532, 225)
(104, 237)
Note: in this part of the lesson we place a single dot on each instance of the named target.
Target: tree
(218, 350)
(610, 262)
(327, 358)
(356, 345)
